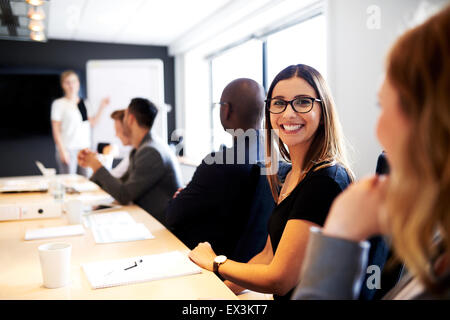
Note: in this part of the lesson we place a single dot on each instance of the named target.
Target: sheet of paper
(18, 185)
(108, 219)
(54, 232)
(83, 186)
(94, 199)
(121, 233)
(139, 269)
(116, 226)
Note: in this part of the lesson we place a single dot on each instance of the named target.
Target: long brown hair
(418, 67)
(327, 146)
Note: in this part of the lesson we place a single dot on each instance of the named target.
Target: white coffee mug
(55, 263)
(74, 209)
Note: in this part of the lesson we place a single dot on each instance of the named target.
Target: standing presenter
(72, 120)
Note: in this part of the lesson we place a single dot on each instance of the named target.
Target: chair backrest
(254, 234)
(380, 252)
(101, 146)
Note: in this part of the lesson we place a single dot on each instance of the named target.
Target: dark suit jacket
(215, 206)
(152, 178)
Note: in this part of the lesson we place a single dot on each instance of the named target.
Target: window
(304, 43)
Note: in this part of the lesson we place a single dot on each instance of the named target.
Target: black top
(83, 111)
(382, 164)
(310, 200)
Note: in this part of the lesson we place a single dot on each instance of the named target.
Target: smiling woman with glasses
(310, 140)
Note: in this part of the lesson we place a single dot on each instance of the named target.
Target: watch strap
(216, 270)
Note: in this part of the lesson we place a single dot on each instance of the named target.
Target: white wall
(356, 56)
(196, 122)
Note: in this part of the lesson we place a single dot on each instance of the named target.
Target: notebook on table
(112, 273)
(19, 185)
(54, 232)
(23, 185)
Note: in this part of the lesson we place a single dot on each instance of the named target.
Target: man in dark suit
(153, 173)
(218, 204)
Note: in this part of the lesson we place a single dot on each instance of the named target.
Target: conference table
(20, 270)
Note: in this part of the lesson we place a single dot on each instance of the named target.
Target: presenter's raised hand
(104, 102)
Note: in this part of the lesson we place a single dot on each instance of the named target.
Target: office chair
(381, 252)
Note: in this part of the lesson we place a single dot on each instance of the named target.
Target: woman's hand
(203, 255)
(356, 213)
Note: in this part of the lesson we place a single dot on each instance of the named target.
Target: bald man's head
(244, 106)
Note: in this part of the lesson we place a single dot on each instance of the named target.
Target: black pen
(128, 268)
(135, 265)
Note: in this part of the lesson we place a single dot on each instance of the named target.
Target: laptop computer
(26, 184)
(46, 172)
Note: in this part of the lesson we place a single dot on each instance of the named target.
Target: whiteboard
(121, 81)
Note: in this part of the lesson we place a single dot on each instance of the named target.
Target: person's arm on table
(277, 277)
(282, 273)
(264, 257)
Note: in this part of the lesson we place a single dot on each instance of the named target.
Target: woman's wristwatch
(218, 260)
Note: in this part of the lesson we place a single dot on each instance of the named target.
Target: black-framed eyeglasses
(299, 104)
(220, 103)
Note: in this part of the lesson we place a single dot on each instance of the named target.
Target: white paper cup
(55, 264)
(74, 209)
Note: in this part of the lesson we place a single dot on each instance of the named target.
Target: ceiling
(155, 22)
(179, 24)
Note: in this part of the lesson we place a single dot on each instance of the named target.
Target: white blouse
(75, 133)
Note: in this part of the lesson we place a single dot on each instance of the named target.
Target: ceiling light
(36, 25)
(37, 36)
(35, 2)
(36, 13)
